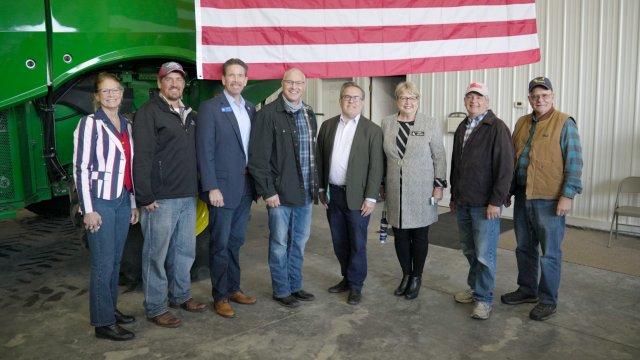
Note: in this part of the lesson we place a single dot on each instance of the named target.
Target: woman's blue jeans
(106, 246)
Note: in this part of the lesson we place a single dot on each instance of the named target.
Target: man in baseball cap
(546, 180)
(481, 171)
(166, 184)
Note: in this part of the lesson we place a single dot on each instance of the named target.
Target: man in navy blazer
(350, 170)
(222, 144)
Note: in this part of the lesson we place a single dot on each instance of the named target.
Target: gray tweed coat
(424, 159)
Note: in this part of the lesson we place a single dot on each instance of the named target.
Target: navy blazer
(221, 157)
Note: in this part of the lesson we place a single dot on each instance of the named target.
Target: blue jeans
(349, 235)
(168, 253)
(228, 228)
(289, 229)
(479, 240)
(536, 224)
(106, 246)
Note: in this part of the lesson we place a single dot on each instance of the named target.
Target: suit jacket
(424, 159)
(366, 165)
(221, 157)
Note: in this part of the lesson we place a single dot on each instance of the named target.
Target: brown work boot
(223, 308)
(166, 320)
(242, 298)
(190, 305)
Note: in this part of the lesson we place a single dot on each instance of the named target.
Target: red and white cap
(170, 67)
(477, 87)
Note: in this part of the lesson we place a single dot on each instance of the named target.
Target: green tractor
(53, 49)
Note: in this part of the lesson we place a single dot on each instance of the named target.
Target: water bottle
(384, 225)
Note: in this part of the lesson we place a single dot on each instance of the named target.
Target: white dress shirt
(341, 150)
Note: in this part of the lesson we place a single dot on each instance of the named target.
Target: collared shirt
(341, 150)
(571, 153)
(244, 123)
(471, 125)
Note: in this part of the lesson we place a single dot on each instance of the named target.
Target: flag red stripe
(384, 68)
(351, 4)
(353, 35)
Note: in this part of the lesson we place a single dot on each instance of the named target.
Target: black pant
(412, 246)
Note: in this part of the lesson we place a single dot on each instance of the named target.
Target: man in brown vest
(547, 177)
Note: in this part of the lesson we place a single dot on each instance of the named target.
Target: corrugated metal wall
(591, 52)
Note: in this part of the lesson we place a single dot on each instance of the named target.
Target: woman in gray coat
(416, 170)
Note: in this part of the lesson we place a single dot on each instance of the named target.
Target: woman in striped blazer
(102, 158)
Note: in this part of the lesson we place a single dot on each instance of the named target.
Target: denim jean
(479, 240)
(349, 237)
(106, 246)
(228, 229)
(536, 224)
(168, 253)
(289, 229)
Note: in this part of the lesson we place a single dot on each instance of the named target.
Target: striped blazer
(99, 160)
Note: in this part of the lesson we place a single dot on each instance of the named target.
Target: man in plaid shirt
(547, 177)
(282, 163)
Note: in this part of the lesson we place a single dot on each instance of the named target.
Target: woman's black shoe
(114, 332)
(124, 319)
(414, 288)
(402, 288)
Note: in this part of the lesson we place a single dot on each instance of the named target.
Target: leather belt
(338, 187)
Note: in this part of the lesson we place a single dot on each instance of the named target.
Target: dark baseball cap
(170, 67)
(540, 81)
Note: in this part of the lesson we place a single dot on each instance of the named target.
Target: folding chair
(629, 185)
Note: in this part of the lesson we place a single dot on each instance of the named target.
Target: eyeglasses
(351, 98)
(407, 98)
(114, 91)
(541, 96)
(291, 82)
(472, 96)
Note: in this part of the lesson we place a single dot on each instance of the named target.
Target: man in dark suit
(222, 143)
(350, 166)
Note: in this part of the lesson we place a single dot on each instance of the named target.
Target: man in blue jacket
(222, 143)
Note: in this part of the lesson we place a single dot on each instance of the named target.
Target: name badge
(417, 133)
(226, 109)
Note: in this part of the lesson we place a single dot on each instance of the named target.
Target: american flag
(355, 38)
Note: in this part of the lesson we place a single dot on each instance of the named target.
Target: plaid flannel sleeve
(572, 154)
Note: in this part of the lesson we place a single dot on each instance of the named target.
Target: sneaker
(464, 297)
(542, 312)
(481, 310)
(517, 297)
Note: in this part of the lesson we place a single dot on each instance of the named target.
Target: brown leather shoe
(190, 305)
(223, 308)
(242, 298)
(166, 320)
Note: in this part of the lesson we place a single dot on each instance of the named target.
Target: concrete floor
(44, 308)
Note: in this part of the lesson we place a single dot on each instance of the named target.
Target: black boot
(414, 288)
(402, 288)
